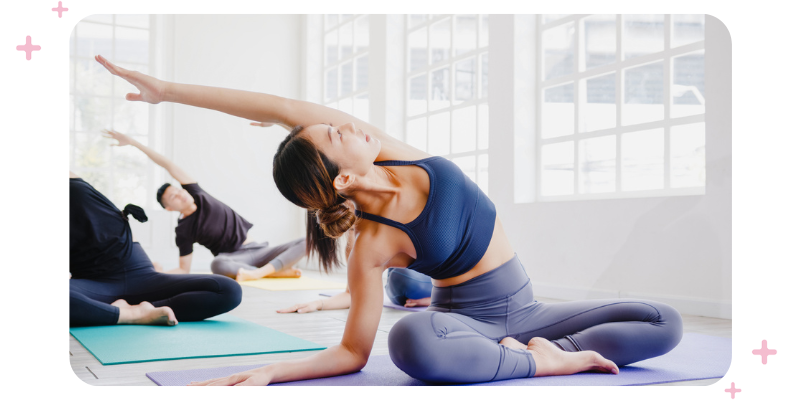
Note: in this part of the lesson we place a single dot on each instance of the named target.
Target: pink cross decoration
(733, 390)
(28, 48)
(60, 9)
(764, 352)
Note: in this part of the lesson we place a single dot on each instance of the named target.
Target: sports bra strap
(382, 220)
(393, 163)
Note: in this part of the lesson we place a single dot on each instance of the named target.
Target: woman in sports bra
(407, 209)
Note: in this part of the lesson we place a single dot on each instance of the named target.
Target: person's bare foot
(247, 275)
(157, 266)
(144, 313)
(550, 360)
(424, 302)
(513, 343)
(286, 273)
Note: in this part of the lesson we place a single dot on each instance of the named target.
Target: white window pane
(100, 179)
(362, 34)
(552, 17)
(643, 160)
(439, 134)
(466, 35)
(440, 88)
(92, 114)
(485, 76)
(417, 133)
(93, 39)
(105, 18)
(121, 86)
(134, 20)
(131, 117)
(484, 31)
(642, 34)
(558, 170)
(644, 94)
(347, 78)
(361, 107)
(465, 81)
(688, 85)
(483, 172)
(688, 28)
(598, 109)
(346, 39)
(331, 47)
(92, 150)
(132, 45)
(464, 129)
(440, 41)
(467, 165)
(346, 105)
(415, 19)
(71, 113)
(600, 32)
(362, 72)
(418, 49)
(688, 155)
(558, 111)
(597, 163)
(129, 186)
(331, 84)
(345, 17)
(483, 126)
(417, 100)
(92, 78)
(331, 20)
(559, 51)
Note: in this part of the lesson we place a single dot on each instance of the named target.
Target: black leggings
(191, 297)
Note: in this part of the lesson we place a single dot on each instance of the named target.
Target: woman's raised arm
(261, 107)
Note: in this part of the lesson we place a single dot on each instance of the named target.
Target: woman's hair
(304, 176)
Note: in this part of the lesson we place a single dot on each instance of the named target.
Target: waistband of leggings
(499, 283)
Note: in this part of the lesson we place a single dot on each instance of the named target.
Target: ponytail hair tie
(134, 211)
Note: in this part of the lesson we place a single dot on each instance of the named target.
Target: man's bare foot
(550, 360)
(144, 313)
(418, 302)
(286, 273)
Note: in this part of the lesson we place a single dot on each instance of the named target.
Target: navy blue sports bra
(454, 229)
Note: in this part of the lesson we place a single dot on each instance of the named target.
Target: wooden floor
(324, 327)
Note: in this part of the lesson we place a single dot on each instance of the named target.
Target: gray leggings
(256, 255)
(457, 338)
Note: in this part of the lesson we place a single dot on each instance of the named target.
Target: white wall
(673, 249)
(230, 159)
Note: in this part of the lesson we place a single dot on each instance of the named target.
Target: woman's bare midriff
(498, 252)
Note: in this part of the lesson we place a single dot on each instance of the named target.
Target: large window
(97, 101)
(447, 85)
(620, 106)
(346, 60)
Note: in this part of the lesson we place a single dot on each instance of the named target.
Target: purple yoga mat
(386, 303)
(696, 357)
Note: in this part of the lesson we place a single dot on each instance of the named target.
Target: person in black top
(112, 281)
(208, 221)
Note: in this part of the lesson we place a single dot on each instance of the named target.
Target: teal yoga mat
(223, 335)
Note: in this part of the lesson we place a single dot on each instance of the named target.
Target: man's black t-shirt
(99, 236)
(213, 225)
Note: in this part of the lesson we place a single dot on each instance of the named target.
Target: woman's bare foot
(513, 343)
(286, 273)
(418, 302)
(550, 360)
(144, 313)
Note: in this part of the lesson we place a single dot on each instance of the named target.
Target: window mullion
(667, 100)
(619, 100)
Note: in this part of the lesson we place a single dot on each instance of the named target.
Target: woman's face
(347, 146)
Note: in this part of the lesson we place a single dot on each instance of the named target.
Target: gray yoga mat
(221, 336)
(696, 357)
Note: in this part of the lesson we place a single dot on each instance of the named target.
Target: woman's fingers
(133, 97)
(289, 309)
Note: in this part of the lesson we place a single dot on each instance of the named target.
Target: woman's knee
(230, 293)
(411, 344)
(222, 266)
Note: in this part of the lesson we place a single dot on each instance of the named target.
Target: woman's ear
(343, 181)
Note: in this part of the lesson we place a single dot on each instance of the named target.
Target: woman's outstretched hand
(253, 377)
(303, 308)
(151, 90)
(122, 139)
